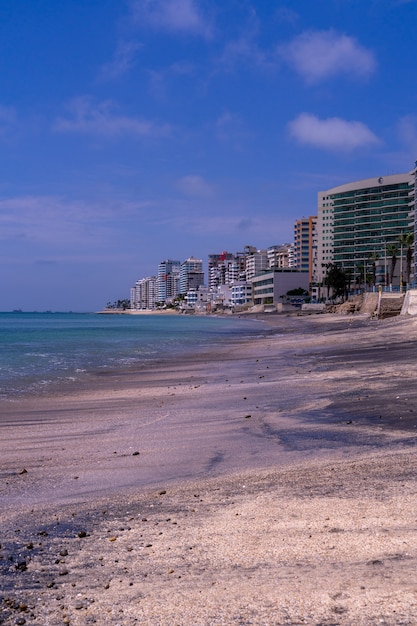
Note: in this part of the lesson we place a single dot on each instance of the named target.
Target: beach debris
(21, 566)
(22, 471)
(82, 534)
(247, 417)
(162, 492)
(135, 453)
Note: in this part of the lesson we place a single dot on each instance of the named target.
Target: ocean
(38, 350)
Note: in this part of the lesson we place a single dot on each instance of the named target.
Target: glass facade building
(361, 222)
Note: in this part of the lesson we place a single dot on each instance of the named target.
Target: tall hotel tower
(191, 274)
(168, 280)
(359, 222)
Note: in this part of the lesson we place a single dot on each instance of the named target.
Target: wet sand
(269, 482)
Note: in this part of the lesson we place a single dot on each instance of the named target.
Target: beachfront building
(143, 294)
(222, 269)
(271, 287)
(304, 236)
(240, 294)
(280, 256)
(359, 226)
(256, 262)
(191, 274)
(196, 296)
(168, 280)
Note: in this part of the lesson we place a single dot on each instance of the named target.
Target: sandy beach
(268, 482)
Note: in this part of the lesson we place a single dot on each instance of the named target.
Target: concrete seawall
(410, 303)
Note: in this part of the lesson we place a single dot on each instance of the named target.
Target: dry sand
(269, 482)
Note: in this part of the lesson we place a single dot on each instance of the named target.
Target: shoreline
(271, 481)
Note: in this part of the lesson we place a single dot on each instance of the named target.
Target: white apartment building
(280, 255)
(168, 281)
(256, 262)
(240, 294)
(143, 294)
(359, 221)
(222, 269)
(191, 274)
(272, 286)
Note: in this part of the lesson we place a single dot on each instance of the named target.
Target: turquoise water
(38, 349)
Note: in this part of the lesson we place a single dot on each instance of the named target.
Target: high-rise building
(256, 263)
(143, 293)
(280, 256)
(191, 274)
(362, 221)
(168, 281)
(222, 269)
(304, 230)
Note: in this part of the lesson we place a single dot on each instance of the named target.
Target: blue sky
(137, 130)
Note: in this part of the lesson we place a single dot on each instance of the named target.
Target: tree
(297, 292)
(361, 276)
(406, 240)
(336, 280)
(374, 258)
(392, 250)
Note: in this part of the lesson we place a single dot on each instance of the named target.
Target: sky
(133, 131)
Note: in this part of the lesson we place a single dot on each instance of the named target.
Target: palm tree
(335, 280)
(406, 240)
(392, 252)
(374, 258)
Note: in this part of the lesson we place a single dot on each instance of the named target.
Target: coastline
(271, 481)
(138, 312)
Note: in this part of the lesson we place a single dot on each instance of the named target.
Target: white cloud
(56, 223)
(318, 55)
(99, 120)
(172, 15)
(122, 62)
(193, 185)
(245, 50)
(332, 133)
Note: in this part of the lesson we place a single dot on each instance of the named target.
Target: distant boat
(17, 311)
